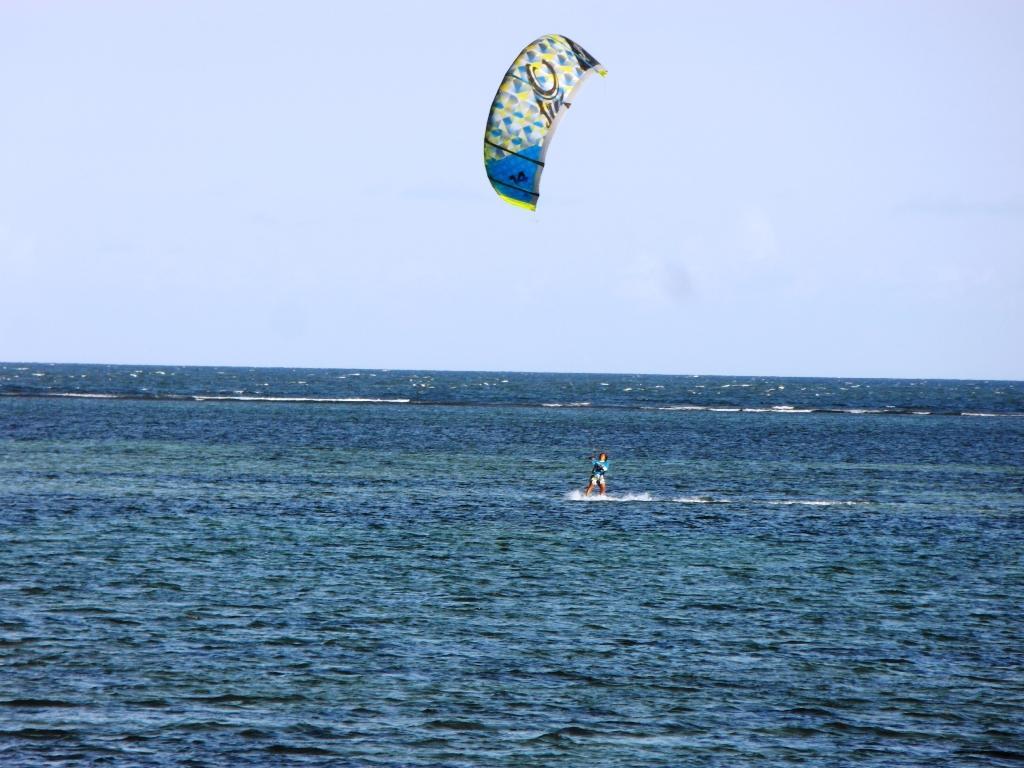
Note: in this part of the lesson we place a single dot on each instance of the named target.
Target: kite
(533, 96)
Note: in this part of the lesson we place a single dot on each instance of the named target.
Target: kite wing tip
(518, 203)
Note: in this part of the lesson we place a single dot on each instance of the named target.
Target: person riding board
(597, 470)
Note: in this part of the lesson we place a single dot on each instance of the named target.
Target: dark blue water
(245, 567)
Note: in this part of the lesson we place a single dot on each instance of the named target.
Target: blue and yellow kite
(533, 96)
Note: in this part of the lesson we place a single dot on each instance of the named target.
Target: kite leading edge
(534, 94)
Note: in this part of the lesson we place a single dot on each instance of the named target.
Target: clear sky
(791, 188)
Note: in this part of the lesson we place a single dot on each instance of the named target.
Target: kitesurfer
(597, 470)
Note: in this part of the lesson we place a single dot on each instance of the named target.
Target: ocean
(278, 567)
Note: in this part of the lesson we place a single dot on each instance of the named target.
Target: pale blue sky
(801, 188)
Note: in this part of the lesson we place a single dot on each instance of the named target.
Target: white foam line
(984, 415)
(270, 399)
(644, 496)
(565, 405)
(736, 409)
(579, 496)
(83, 394)
(814, 503)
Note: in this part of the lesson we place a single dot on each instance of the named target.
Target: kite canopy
(533, 96)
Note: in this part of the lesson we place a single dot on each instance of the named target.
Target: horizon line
(506, 371)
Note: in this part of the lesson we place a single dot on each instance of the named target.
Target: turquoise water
(228, 567)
